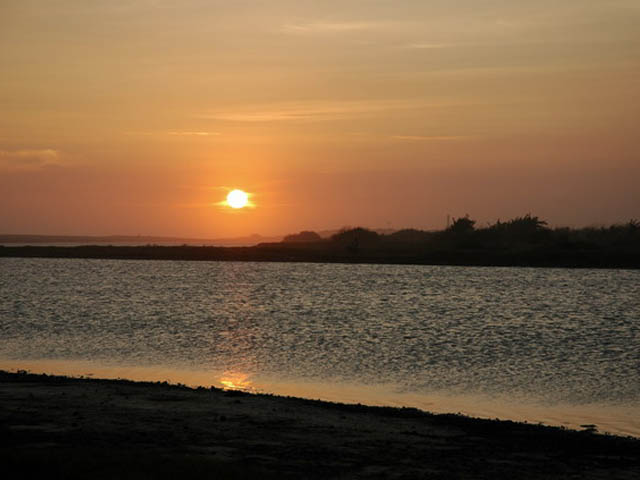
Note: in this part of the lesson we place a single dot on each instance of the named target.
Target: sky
(137, 117)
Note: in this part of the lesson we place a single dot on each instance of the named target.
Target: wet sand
(60, 427)
(622, 420)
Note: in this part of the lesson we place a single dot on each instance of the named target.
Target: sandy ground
(58, 427)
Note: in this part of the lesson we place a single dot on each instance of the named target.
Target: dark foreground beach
(59, 427)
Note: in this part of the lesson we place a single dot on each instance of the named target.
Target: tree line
(524, 240)
(527, 230)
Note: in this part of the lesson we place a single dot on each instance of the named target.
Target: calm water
(553, 345)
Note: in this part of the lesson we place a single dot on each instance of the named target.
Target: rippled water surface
(414, 335)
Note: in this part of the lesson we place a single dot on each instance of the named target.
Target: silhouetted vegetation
(359, 236)
(302, 237)
(409, 236)
(462, 226)
(522, 241)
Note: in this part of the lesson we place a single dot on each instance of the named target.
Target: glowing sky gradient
(139, 116)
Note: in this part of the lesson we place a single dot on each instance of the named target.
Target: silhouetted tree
(363, 235)
(409, 236)
(526, 229)
(356, 238)
(526, 225)
(462, 225)
(633, 227)
(302, 237)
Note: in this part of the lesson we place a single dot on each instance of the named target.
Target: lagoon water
(558, 346)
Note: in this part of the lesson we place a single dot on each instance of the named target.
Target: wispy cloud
(315, 110)
(193, 134)
(431, 46)
(329, 27)
(29, 159)
(432, 138)
(176, 133)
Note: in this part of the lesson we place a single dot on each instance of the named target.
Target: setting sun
(237, 199)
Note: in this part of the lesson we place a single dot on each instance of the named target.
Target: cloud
(176, 133)
(29, 159)
(431, 46)
(193, 134)
(329, 27)
(435, 138)
(315, 110)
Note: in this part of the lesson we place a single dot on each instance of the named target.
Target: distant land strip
(327, 253)
(522, 242)
(26, 239)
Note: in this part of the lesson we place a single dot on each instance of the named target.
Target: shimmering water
(484, 341)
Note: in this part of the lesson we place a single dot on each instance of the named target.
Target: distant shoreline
(129, 240)
(69, 427)
(329, 253)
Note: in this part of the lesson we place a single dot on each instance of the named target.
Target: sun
(237, 199)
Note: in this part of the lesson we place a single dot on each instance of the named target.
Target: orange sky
(138, 116)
